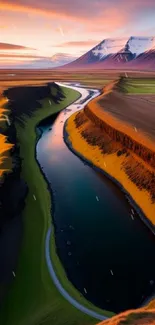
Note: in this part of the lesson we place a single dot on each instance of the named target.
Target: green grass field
(33, 298)
(141, 86)
(134, 85)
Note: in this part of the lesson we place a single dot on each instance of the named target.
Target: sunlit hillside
(143, 316)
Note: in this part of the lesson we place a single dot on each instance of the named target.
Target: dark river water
(101, 248)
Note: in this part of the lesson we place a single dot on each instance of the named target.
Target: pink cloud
(77, 43)
(88, 18)
(27, 56)
(7, 46)
(80, 10)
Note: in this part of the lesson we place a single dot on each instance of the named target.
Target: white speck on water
(85, 290)
(34, 197)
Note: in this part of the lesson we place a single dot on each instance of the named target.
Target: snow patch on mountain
(138, 45)
(109, 46)
(62, 58)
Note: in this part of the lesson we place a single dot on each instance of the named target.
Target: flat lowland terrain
(92, 78)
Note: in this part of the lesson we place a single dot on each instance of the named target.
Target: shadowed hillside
(24, 101)
(12, 194)
(21, 102)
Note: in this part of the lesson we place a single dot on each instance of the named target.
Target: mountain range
(134, 53)
(59, 59)
(122, 53)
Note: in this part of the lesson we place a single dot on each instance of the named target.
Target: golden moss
(133, 317)
(141, 316)
(112, 164)
(4, 145)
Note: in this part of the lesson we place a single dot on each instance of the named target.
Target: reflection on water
(108, 256)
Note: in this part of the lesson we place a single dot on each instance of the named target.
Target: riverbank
(111, 163)
(125, 154)
(60, 279)
(41, 301)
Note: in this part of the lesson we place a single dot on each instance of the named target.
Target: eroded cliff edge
(126, 155)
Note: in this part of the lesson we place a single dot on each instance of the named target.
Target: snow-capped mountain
(61, 58)
(144, 61)
(100, 52)
(108, 47)
(138, 45)
(116, 54)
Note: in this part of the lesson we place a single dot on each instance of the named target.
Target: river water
(107, 256)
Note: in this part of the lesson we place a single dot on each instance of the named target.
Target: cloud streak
(25, 56)
(36, 8)
(77, 43)
(8, 46)
(64, 23)
(81, 10)
(95, 16)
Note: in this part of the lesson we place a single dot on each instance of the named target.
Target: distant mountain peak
(109, 46)
(115, 53)
(139, 44)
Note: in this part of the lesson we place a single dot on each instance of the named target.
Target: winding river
(108, 256)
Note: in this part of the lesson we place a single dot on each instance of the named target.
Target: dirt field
(136, 110)
(90, 78)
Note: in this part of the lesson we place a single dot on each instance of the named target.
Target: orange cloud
(112, 19)
(26, 56)
(75, 11)
(3, 27)
(77, 43)
(12, 6)
(93, 16)
(8, 46)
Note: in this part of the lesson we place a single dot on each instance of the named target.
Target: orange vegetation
(142, 145)
(98, 146)
(136, 176)
(142, 316)
(4, 145)
(111, 146)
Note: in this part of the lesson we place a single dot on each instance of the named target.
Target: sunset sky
(42, 28)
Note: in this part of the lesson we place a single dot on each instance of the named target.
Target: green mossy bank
(33, 298)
